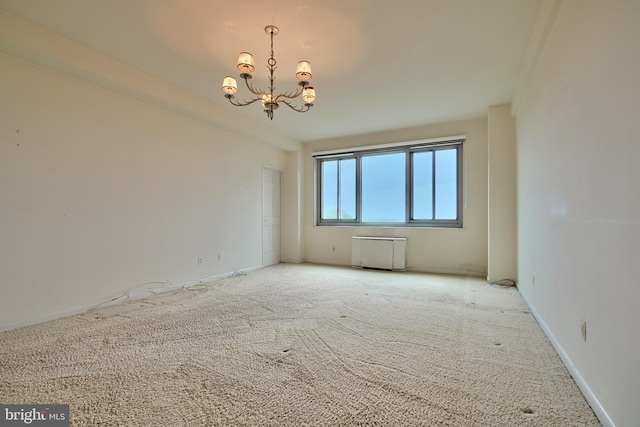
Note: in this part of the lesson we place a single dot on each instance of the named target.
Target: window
(415, 185)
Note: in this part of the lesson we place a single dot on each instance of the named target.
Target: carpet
(300, 345)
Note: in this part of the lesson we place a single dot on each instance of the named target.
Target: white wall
(461, 251)
(578, 130)
(101, 193)
(502, 247)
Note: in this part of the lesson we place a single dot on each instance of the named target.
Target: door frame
(280, 171)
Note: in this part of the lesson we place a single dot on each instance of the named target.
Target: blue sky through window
(446, 184)
(383, 188)
(423, 185)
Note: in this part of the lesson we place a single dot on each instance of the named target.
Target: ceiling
(378, 65)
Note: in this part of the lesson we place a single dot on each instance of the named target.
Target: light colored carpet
(297, 345)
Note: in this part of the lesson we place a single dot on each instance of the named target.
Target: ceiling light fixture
(270, 101)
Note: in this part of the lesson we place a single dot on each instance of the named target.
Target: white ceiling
(378, 64)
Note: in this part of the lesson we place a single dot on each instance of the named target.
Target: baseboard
(450, 271)
(128, 295)
(600, 412)
(53, 316)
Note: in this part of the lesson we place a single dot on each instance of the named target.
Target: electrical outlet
(219, 257)
(199, 260)
(333, 249)
(533, 280)
(583, 330)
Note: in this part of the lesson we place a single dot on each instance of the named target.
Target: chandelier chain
(272, 68)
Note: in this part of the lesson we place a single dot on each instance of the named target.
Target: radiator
(386, 253)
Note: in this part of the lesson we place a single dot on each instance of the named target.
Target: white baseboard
(53, 316)
(600, 412)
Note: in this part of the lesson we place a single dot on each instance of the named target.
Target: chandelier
(270, 101)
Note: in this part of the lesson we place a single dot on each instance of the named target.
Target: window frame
(409, 149)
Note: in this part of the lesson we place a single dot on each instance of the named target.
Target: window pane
(347, 189)
(383, 188)
(329, 189)
(375, 187)
(446, 184)
(423, 185)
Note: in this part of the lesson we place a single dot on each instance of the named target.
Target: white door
(270, 216)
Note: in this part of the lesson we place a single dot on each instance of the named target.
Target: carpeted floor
(301, 345)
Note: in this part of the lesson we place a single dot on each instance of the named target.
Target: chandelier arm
(290, 95)
(302, 109)
(253, 90)
(242, 104)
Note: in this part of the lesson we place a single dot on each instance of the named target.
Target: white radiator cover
(387, 253)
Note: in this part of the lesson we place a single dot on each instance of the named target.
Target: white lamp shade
(303, 71)
(309, 95)
(229, 85)
(245, 62)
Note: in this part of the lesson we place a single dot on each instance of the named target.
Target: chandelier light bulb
(266, 99)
